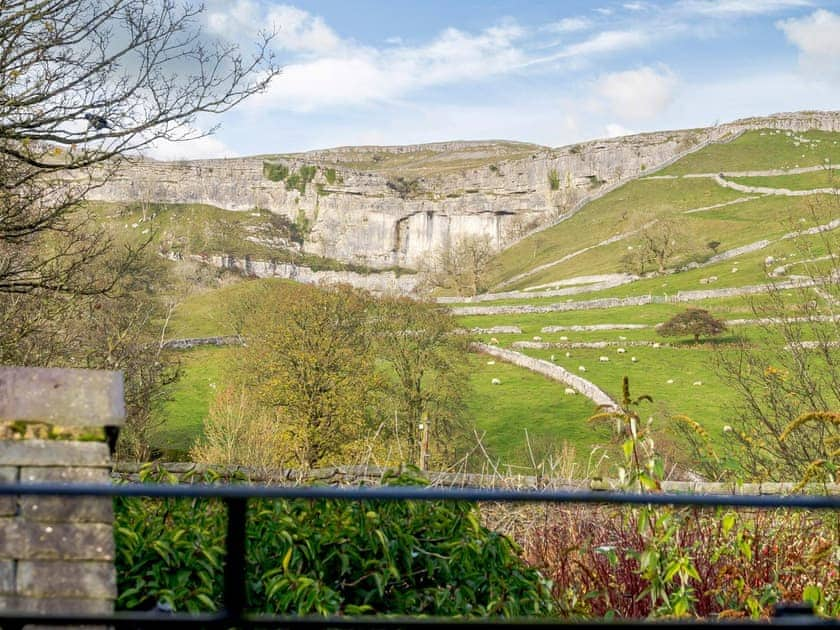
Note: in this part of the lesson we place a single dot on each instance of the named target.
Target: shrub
(553, 179)
(275, 172)
(692, 321)
(328, 557)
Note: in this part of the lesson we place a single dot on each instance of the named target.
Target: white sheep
(563, 338)
(697, 383)
(568, 354)
(670, 381)
(633, 359)
(494, 341)
(656, 344)
(537, 338)
(621, 351)
(570, 392)
(496, 381)
(603, 359)
(622, 338)
(551, 358)
(581, 368)
(491, 363)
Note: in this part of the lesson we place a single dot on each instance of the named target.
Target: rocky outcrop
(382, 282)
(391, 206)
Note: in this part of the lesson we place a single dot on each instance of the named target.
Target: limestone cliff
(386, 206)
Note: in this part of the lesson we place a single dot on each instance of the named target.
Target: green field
(826, 178)
(761, 150)
(527, 418)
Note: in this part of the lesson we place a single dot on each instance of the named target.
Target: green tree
(429, 381)
(309, 358)
(692, 321)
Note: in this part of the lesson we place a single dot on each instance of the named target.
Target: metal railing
(236, 497)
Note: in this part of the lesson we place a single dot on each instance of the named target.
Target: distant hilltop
(384, 206)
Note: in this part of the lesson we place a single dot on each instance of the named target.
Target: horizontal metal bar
(414, 493)
(134, 619)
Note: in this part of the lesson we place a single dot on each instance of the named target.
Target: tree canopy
(692, 321)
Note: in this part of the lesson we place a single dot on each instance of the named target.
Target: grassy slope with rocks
(527, 401)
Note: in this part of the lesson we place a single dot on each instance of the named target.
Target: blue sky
(548, 72)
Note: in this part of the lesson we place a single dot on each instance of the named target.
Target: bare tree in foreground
(84, 86)
(85, 83)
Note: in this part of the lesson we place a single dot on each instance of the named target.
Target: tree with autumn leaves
(348, 377)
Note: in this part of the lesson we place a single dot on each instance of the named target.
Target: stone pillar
(57, 553)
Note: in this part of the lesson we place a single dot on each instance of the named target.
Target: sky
(551, 72)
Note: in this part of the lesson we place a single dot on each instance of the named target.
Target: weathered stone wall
(386, 282)
(189, 472)
(57, 553)
(358, 218)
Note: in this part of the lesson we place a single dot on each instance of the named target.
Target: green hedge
(327, 557)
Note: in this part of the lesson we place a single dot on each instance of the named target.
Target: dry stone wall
(357, 217)
(189, 472)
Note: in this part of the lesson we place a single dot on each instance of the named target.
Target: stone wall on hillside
(360, 218)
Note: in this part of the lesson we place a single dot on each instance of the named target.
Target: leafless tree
(463, 267)
(787, 373)
(84, 85)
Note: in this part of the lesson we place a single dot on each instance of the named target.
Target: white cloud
(635, 6)
(606, 42)
(817, 37)
(362, 74)
(295, 30)
(203, 148)
(730, 8)
(637, 94)
(614, 130)
(568, 25)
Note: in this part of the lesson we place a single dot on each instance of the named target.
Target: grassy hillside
(761, 150)
(682, 377)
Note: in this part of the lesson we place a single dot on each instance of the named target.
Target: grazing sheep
(621, 351)
(570, 392)
(633, 359)
(670, 381)
(551, 358)
(494, 341)
(563, 338)
(697, 383)
(537, 338)
(581, 368)
(603, 359)
(622, 338)
(496, 381)
(568, 354)
(491, 363)
(656, 344)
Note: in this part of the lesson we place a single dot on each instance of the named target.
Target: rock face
(387, 206)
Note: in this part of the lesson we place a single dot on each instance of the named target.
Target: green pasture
(181, 415)
(211, 313)
(708, 403)
(618, 212)
(732, 226)
(526, 407)
(824, 178)
(761, 150)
